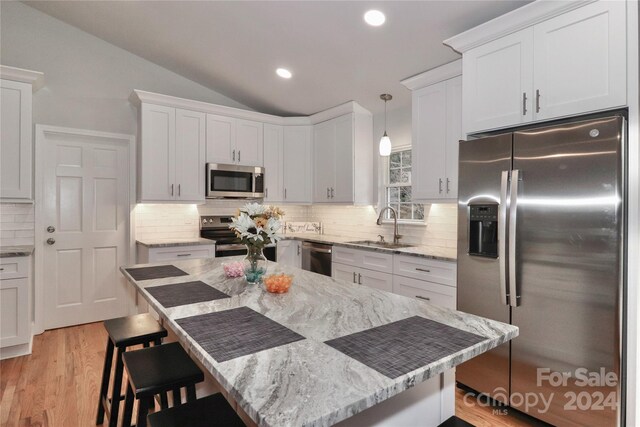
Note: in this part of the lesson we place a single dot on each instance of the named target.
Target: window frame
(386, 185)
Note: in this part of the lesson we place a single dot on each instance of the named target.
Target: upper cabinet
(436, 119)
(16, 145)
(571, 63)
(273, 163)
(343, 159)
(171, 155)
(234, 141)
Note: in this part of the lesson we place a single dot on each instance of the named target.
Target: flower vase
(255, 265)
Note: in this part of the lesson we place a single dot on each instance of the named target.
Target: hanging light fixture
(385, 142)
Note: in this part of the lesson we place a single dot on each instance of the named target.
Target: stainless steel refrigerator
(541, 246)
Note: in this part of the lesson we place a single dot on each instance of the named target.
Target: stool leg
(164, 402)
(117, 389)
(128, 407)
(191, 393)
(145, 344)
(177, 400)
(143, 410)
(106, 375)
(158, 341)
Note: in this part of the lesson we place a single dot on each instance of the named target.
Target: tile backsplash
(160, 221)
(17, 221)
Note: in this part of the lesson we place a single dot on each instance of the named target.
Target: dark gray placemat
(400, 347)
(156, 272)
(228, 334)
(184, 293)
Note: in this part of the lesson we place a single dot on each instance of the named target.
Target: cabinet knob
(51, 241)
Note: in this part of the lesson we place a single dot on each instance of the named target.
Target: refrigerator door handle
(502, 237)
(514, 299)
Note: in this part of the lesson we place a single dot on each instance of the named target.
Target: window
(398, 191)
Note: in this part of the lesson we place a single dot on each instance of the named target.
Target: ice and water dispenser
(483, 230)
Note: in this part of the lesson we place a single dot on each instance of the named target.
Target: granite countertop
(165, 243)
(11, 251)
(308, 382)
(431, 252)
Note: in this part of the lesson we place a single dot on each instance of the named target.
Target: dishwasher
(316, 257)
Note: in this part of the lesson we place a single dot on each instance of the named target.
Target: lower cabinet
(289, 253)
(174, 253)
(362, 276)
(15, 313)
(435, 293)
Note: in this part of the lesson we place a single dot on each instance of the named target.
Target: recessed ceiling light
(375, 18)
(284, 73)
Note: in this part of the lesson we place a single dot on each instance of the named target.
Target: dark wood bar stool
(210, 411)
(123, 332)
(156, 371)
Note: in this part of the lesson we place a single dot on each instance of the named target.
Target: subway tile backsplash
(17, 222)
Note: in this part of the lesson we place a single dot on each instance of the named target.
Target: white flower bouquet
(257, 225)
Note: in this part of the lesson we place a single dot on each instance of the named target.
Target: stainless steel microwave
(234, 182)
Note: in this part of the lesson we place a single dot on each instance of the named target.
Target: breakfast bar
(325, 352)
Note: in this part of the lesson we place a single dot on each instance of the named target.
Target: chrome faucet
(396, 236)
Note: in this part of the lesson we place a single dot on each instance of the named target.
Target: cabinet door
(15, 143)
(375, 279)
(580, 60)
(249, 143)
(344, 272)
(297, 164)
(157, 153)
(324, 140)
(190, 155)
(454, 135)
(433, 293)
(429, 114)
(498, 81)
(14, 312)
(221, 135)
(343, 158)
(273, 164)
(289, 253)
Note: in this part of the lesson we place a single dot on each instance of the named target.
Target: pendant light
(385, 142)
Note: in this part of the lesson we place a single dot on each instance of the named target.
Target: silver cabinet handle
(513, 218)
(524, 103)
(424, 298)
(50, 241)
(354, 277)
(537, 100)
(171, 189)
(51, 229)
(448, 180)
(238, 155)
(179, 190)
(1, 268)
(285, 193)
(332, 192)
(328, 193)
(359, 279)
(423, 269)
(184, 254)
(440, 185)
(298, 249)
(234, 155)
(502, 237)
(266, 193)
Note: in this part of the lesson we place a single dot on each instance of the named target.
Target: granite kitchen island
(328, 351)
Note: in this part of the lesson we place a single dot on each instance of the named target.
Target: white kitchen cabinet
(569, 64)
(434, 293)
(234, 141)
(289, 253)
(171, 157)
(362, 276)
(15, 312)
(273, 163)
(363, 258)
(148, 254)
(296, 170)
(342, 154)
(436, 271)
(15, 143)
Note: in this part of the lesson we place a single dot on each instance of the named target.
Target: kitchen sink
(378, 244)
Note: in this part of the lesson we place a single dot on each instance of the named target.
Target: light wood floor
(57, 385)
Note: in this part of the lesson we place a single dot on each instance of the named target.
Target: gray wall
(87, 80)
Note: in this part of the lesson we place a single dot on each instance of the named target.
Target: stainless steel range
(216, 227)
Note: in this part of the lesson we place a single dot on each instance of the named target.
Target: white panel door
(190, 156)
(273, 166)
(86, 200)
(343, 158)
(429, 115)
(157, 153)
(580, 60)
(249, 145)
(324, 140)
(15, 143)
(297, 164)
(498, 82)
(221, 136)
(454, 135)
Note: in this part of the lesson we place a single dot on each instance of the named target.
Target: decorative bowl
(277, 283)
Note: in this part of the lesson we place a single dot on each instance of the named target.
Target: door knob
(51, 229)
(51, 241)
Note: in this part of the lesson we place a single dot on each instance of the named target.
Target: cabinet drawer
(370, 260)
(14, 267)
(434, 293)
(442, 272)
(181, 253)
(14, 312)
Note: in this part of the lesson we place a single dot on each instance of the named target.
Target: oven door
(233, 181)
